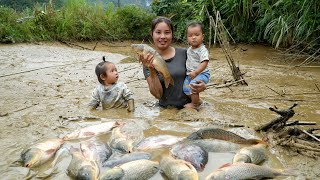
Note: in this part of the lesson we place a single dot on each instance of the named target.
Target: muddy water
(45, 89)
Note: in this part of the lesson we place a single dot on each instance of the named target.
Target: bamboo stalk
(311, 135)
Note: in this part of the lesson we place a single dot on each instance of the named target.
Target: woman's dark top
(174, 95)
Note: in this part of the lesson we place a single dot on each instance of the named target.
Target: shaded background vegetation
(277, 22)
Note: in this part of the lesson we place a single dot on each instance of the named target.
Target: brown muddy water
(45, 89)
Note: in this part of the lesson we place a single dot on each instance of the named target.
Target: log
(279, 121)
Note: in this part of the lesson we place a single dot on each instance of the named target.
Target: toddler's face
(195, 36)
(112, 74)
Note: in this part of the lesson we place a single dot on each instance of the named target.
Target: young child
(197, 62)
(110, 93)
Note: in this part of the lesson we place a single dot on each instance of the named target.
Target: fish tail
(225, 165)
(255, 141)
(289, 172)
(168, 81)
(171, 81)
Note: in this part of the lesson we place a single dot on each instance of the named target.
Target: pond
(45, 89)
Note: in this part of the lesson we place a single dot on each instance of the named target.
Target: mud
(45, 89)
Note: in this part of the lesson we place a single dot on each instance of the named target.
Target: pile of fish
(127, 154)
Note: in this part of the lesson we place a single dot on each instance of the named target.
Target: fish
(94, 130)
(120, 142)
(217, 145)
(95, 151)
(248, 171)
(115, 173)
(159, 141)
(126, 158)
(158, 62)
(177, 169)
(134, 170)
(192, 153)
(81, 166)
(255, 154)
(140, 169)
(216, 133)
(41, 152)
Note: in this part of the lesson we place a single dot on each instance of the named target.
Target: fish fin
(50, 151)
(171, 81)
(289, 172)
(188, 164)
(166, 83)
(73, 149)
(88, 133)
(118, 123)
(256, 141)
(225, 165)
(202, 166)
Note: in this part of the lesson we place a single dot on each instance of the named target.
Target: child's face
(112, 74)
(195, 36)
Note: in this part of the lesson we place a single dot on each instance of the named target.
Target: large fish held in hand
(40, 153)
(93, 130)
(158, 62)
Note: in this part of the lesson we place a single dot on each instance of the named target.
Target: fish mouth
(28, 165)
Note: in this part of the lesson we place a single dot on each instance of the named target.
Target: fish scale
(216, 133)
(247, 171)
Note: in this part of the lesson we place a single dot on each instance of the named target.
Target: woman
(175, 58)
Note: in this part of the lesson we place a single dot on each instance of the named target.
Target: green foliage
(279, 22)
(76, 20)
(130, 22)
(21, 5)
(10, 30)
(181, 12)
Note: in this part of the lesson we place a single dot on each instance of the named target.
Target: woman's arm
(154, 84)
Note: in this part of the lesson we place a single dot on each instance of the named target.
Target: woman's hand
(146, 60)
(198, 87)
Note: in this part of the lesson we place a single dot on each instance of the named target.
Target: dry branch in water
(279, 132)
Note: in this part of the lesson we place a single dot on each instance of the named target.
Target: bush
(130, 22)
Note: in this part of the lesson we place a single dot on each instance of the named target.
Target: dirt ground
(46, 82)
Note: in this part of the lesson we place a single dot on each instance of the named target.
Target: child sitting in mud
(110, 93)
(197, 62)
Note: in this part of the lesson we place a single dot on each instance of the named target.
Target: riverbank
(42, 83)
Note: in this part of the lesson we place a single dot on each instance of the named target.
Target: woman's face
(162, 36)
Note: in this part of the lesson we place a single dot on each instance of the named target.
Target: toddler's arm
(95, 100)
(130, 105)
(200, 68)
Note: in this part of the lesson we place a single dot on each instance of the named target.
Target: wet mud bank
(45, 89)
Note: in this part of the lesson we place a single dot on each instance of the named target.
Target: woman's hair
(160, 19)
(101, 69)
(195, 24)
